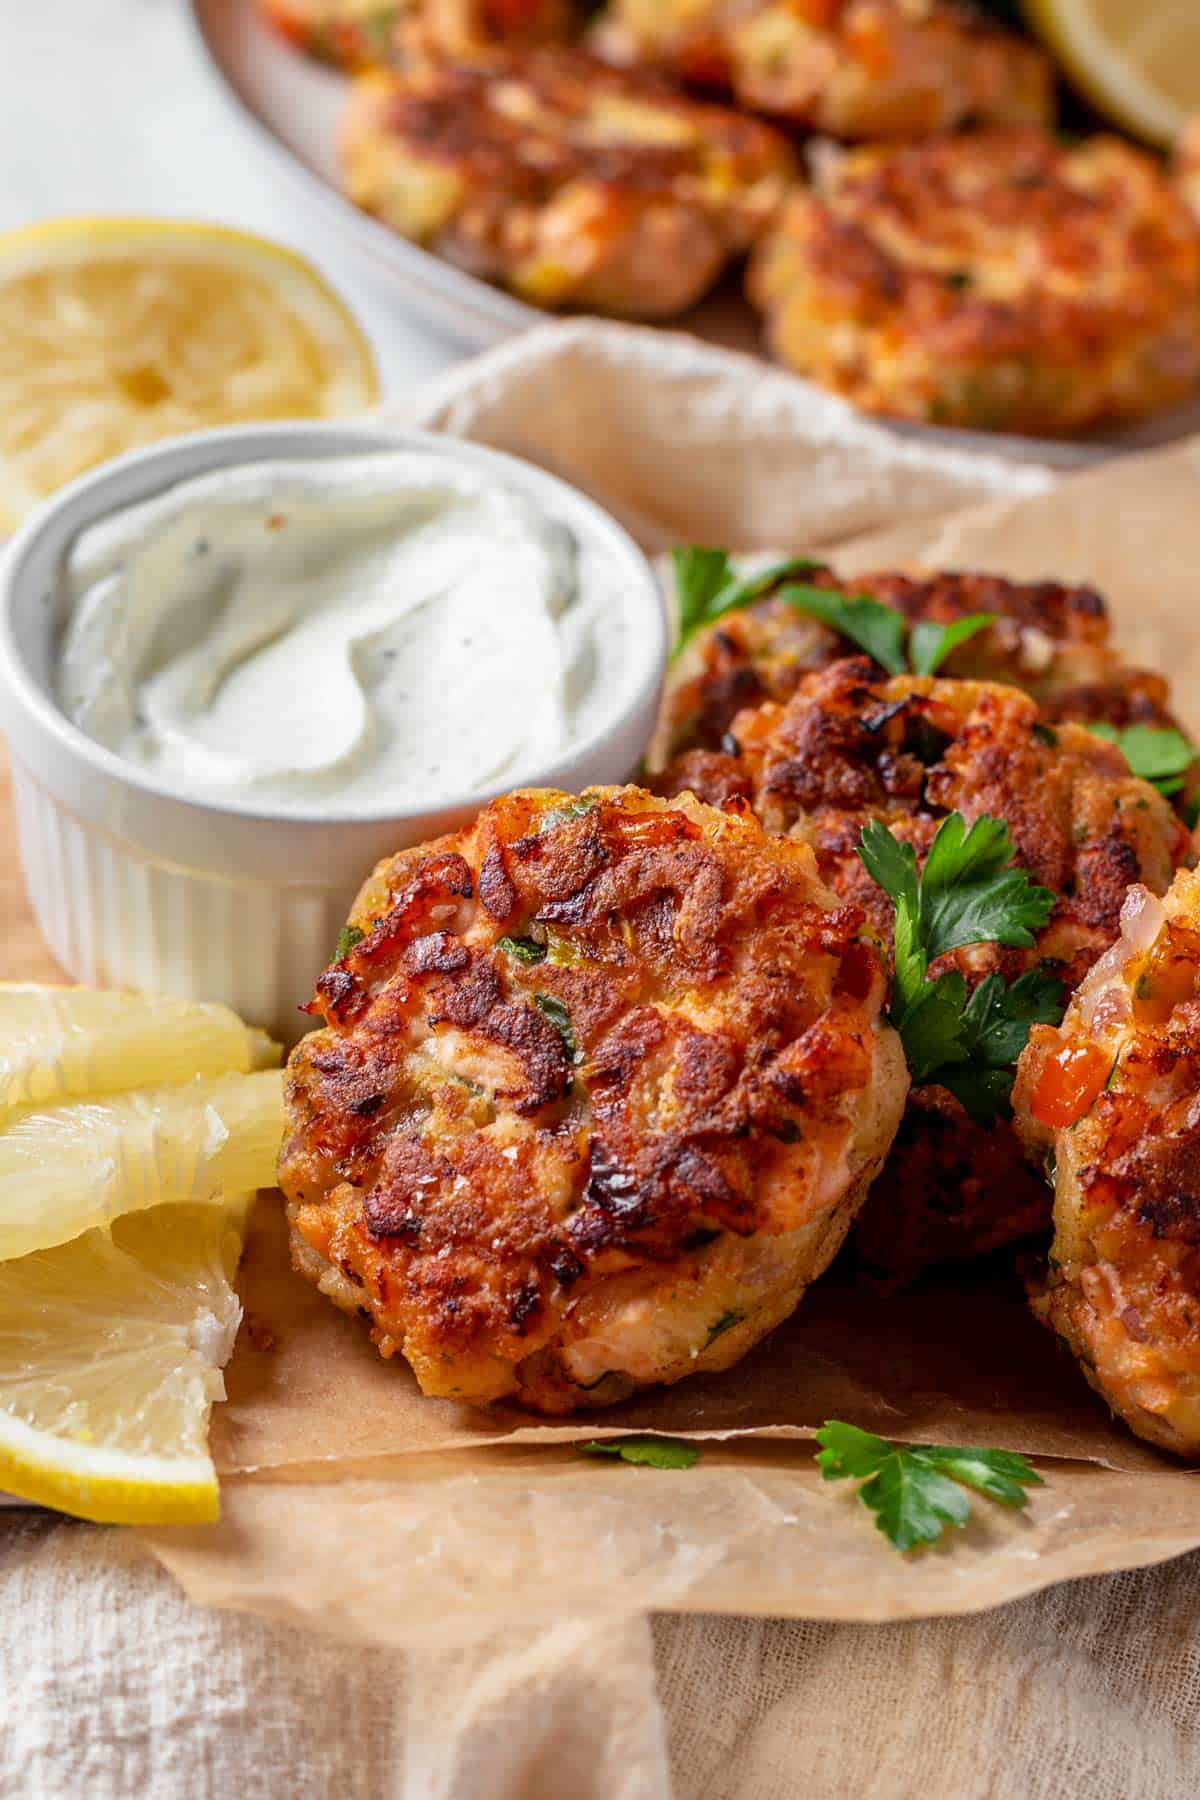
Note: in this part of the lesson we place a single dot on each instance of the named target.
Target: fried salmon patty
(359, 34)
(1000, 280)
(853, 744)
(854, 68)
(573, 184)
(598, 1094)
(1051, 640)
(1111, 1101)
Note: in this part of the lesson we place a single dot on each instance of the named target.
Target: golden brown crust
(1113, 1096)
(363, 34)
(1001, 280)
(1050, 639)
(853, 68)
(573, 183)
(853, 744)
(550, 1170)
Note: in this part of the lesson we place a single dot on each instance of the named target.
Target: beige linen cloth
(111, 1683)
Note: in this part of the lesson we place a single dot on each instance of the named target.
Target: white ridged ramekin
(135, 885)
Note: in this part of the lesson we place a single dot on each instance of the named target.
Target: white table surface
(107, 106)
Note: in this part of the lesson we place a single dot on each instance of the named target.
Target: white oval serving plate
(291, 106)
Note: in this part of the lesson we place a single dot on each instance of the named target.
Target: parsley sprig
(969, 892)
(708, 588)
(916, 1490)
(1159, 754)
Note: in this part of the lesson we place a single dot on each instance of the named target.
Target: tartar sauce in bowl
(345, 635)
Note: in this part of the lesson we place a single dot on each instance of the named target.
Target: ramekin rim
(40, 709)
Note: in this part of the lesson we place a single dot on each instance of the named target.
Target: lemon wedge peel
(118, 332)
(1139, 65)
(153, 1298)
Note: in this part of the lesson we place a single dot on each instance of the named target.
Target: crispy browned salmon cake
(1000, 280)
(1111, 1101)
(854, 68)
(359, 34)
(853, 744)
(1052, 640)
(573, 184)
(598, 1094)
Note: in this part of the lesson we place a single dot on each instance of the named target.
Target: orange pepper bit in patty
(1069, 1084)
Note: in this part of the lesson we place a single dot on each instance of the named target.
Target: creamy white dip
(342, 635)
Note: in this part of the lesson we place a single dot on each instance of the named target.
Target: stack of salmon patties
(883, 176)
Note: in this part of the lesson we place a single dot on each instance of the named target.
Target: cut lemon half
(117, 332)
(65, 1169)
(1137, 62)
(59, 1043)
(111, 1351)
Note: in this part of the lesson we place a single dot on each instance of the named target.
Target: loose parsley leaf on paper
(560, 1018)
(916, 1490)
(1160, 755)
(348, 936)
(707, 586)
(652, 1452)
(968, 893)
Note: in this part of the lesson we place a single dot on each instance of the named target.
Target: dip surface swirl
(340, 635)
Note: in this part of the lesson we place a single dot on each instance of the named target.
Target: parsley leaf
(995, 1030)
(558, 815)
(560, 1018)
(874, 627)
(348, 936)
(968, 893)
(893, 866)
(525, 950)
(707, 586)
(1160, 755)
(725, 1323)
(916, 1490)
(997, 1018)
(931, 1027)
(652, 1452)
(930, 644)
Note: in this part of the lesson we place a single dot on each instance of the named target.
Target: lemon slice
(65, 1169)
(116, 332)
(1138, 63)
(57, 1043)
(111, 1351)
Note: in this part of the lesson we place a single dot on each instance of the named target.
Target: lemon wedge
(58, 1043)
(67, 1168)
(1138, 64)
(111, 1351)
(117, 332)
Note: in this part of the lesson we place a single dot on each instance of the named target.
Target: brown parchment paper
(353, 1503)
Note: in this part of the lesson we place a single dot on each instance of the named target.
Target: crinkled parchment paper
(352, 1502)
